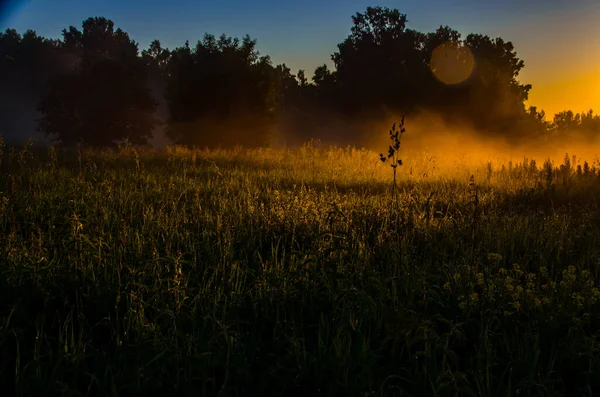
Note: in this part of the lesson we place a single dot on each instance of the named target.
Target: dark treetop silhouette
(94, 86)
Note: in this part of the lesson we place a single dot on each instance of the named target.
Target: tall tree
(105, 97)
(156, 58)
(222, 92)
(497, 97)
(380, 62)
(449, 62)
(27, 63)
(384, 65)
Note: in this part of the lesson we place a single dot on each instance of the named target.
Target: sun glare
(452, 63)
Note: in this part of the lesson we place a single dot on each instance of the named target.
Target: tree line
(94, 86)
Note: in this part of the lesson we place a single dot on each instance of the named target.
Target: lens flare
(452, 63)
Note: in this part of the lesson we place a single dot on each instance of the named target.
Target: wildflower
(578, 299)
(479, 278)
(492, 256)
(474, 297)
(563, 284)
(538, 303)
(517, 270)
(519, 290)
(456, 276)
(569, 275)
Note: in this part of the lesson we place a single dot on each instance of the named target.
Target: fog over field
(199, 219)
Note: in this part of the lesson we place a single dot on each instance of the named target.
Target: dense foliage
(95, 86)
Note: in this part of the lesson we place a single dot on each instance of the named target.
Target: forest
(94, 86)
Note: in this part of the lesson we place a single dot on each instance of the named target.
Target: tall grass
(279, 272)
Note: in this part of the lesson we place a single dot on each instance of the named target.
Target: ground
(279, 272)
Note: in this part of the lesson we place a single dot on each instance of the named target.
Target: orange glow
(578, 94)
(427, 135)
(560, 51)
(452, 63)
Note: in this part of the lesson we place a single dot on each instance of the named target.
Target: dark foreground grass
(290, 274)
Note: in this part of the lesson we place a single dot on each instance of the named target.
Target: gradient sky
(559, 40)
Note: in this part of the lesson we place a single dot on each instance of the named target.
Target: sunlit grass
(290, 272)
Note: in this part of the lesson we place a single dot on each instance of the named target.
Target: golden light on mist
(459, 146)
(452, 63)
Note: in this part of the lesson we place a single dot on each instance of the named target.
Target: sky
(559, 40)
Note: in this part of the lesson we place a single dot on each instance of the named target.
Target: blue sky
(556, 39)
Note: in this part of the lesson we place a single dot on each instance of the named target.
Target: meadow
(296, 273)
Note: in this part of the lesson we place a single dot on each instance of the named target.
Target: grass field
(292, 273)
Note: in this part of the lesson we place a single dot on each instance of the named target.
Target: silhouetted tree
(104, 98)
(567, 124)
(443, 53)
(302, 80)
(325, 84)
(27, 63)
(223, 92)
(384, 65)
(379, 63)
(535, 123)
(497, 97)
(96, 87)
(156, 58)
(590, 123)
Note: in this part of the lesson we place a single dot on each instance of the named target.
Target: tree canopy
(104, 97)
(222, 92)
(95, 86)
